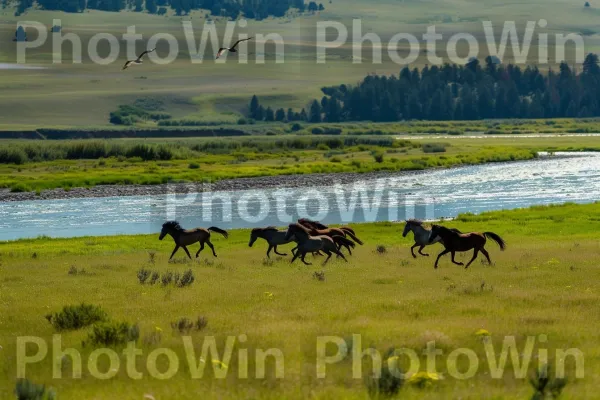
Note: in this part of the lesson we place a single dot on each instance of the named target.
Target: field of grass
(84, 94)
(545, 283)
(193, 160)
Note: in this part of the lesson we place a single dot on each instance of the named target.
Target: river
(434, 194)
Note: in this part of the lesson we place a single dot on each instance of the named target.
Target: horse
(317, 225)
(309, 244)
(273, 237)
(421, 235)
(186, 237)
(454, 241)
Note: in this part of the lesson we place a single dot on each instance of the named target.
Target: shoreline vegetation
(36, 166)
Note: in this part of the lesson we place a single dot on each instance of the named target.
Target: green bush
(187, 279)
(76, 317)
(26, 390)
(20, 188)
(434, 148)
(194, 165)
(112, 334)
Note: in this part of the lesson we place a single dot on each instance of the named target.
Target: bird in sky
(230, 49)
(137, 60)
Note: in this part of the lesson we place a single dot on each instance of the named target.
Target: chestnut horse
(461, 242)
(317, 225)
(186, 237)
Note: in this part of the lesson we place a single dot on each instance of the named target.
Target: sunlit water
(428, 194)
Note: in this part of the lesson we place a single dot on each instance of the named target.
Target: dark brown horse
(186, 237)
(317, 225)
(273, 237)
(461, 242)
(310, 244)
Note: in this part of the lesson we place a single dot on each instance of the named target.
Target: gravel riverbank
(283, 181)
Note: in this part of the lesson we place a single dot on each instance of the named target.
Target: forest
(254, 9)
(455, 92)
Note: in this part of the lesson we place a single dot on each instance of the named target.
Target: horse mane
(268, 228)
(300, 227)
(173, 225)
(414, 221)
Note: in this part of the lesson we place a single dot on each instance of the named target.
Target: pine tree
(315, 112)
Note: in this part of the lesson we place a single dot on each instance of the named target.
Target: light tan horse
(186, 237)
(273, 237)
(310, 244)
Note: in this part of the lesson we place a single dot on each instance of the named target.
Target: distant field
(84, 95)
(89, 163)
(545, 283)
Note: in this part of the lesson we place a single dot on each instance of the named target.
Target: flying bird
(138, 60)
(230, 49)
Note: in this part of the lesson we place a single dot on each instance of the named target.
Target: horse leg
(295, 256)
(412, 250)
(187, 252)
(457, 263)
(269, 250)
(421, 251)
(278, 253)
(328, 256)
(174, 251)
(304, 261)
(201, 248)
(475, 253)
(446, 251)
(339, 253)
(294, 250)
(211, 247)
(485, 253)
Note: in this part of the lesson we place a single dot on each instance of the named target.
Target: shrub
(20, 188)
(143, 275)
(27, 390)
(296, 127)
(187, 279)
(378, 157)
(186, 325)
(194, 165)
(335, 160)
(76, 317)
(381, 249)
(167, 278)
(434, 148)
(154, 278)
(319, 275)
(388, 384)
(112, 333)
(317, 131)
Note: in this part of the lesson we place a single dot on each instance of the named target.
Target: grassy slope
(83, 95)
(545, 283)
(45, 175)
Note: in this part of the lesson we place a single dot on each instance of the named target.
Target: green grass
(546, 282)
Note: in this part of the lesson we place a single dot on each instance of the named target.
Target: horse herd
(318, 239)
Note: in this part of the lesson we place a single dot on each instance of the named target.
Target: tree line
(452, 92)
(255, 9)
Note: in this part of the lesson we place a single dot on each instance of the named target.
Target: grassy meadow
(546, 282)
(82, 95)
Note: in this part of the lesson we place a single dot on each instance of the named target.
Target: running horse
(187, 237)
(273, 237)
(421, 236)
(310, 244)
(461, 242)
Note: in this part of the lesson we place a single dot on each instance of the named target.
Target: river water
(432, 194)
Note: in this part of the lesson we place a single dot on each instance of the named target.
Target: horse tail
(347, 229)
(496, 239)
(342, 240)
(353, 237)
(218, 230)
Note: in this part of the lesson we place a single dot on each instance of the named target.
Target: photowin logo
(201, 43)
